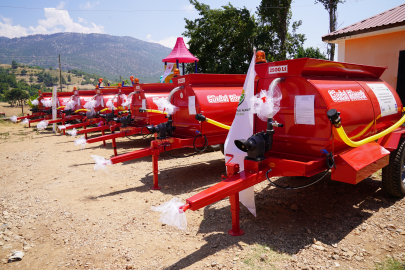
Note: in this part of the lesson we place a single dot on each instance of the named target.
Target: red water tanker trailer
(215, 96)
(333, 116)
(98, 105)
(118, 102)
(135, 123)
(41, 110)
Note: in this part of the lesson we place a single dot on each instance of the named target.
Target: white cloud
(81, 20)
(89, 5)
(61, 5)
(9, 30)
(168, 42)
(189, 8)
(55, 21)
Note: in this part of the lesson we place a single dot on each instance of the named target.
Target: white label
(144, 104)
(385, 98)
(138, 87)
(278, 69)
(304, 110)
(217, 99)
(233, 98)
(181, 80)
(87, 98)
(347, 95)
(191, 105)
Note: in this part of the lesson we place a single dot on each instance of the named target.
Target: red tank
(143, 98)
(216, 96)
(351, 89)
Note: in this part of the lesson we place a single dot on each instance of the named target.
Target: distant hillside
(109, 56)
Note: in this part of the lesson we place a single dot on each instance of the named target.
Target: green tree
(14, 64)
(331, 7)
(310, 52)
(24, 72)
(222, 39)
(40, 77)
(69, 78)
(31, 79)
(16, 96)
(276, 15)
(50, 68)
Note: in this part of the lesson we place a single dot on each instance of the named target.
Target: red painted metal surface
(296, 149)
(360, 162)
(143, 98)
(333, 79)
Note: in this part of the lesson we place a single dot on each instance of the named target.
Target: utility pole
(60, 75)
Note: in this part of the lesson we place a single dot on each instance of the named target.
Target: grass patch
(262, 258)
(390, 264)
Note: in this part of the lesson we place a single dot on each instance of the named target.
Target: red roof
(181, 53)
(388, 19)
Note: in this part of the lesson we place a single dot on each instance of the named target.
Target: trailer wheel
(393, 175)
(222, 148)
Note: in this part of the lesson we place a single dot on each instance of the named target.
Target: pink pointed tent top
(181, 53)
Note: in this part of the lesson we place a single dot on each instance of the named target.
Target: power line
(130, 11)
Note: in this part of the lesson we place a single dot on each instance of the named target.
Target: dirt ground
(64, 215)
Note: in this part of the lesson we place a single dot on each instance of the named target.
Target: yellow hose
(104, 109)
(217, 123)
(60, 107)
(82, 110)
(370, 125)
(342, 134)
(155, 111)
(365, 129)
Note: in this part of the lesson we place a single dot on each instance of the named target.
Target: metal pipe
(169, 97)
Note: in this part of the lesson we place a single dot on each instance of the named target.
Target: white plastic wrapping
(165, 106)
(16, 256)
(35, 102)
(25, 121)
(90, 105)
(110, 104)
(101, 163)
(70, 105)
(171, 214)
(13, 119)
(47, 102)
(42, 125)
(61, 127)
(72, 132)
(81, 141)
(266, 104)
(127, 100)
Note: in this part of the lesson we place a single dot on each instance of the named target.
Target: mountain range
(106, 55)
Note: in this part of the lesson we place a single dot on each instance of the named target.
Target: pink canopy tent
(181, 54)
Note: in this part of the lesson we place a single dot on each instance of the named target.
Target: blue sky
(157, 20)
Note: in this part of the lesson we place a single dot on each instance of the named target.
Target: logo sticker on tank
(182, 80)
(278, 69)
(347, 95)
(138, 87)
(222, 98)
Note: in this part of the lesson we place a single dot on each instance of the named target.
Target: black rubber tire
(222, 148)
(393, 175)
(213, 148)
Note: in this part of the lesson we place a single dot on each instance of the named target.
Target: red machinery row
(333, 116)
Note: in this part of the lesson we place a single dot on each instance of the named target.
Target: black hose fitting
(200, 117)
(334, 117)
